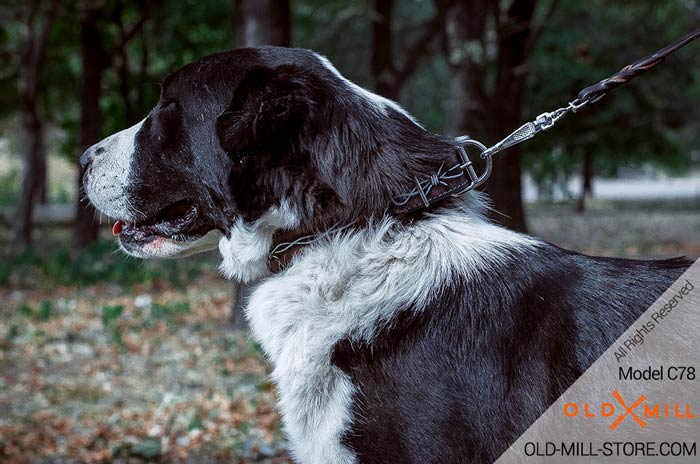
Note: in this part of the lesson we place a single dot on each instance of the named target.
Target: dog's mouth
(177, 222)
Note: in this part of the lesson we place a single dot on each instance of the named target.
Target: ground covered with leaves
(141, 373)
(108, 359)
(644, 229)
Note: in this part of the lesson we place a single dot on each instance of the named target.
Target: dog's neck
(350, 286)
(286, 244)
(347, 177)
(366, 162)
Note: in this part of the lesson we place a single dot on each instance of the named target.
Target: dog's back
(460, 379)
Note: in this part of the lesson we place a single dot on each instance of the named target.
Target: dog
(395, 336)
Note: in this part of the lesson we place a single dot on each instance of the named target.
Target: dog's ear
(268, 110)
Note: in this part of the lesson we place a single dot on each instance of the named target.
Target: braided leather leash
(597, 91)
(463, 177)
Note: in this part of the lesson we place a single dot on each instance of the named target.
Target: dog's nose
(86, 158)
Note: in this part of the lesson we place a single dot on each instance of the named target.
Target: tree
(390, 75)
(654, 120)
(486, 108)
(465, 50)
(38, 26)
(262, 22)
(95, 59)
(586, 180)
(514, 35)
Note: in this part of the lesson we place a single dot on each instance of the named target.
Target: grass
(638, 229)
(41, 313)
(9, 187)
(55, 265)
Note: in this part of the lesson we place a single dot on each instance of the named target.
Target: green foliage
(26, 311)
(12, 333)
(111, 313)
(551, 170)
(99, 262)
(110, 316)
(654, 119)
(9, 188)
(168, 40)
(195, 423)
(148, 449)
(43, 312)
(169, 311)
(339, 30)
(9, 69)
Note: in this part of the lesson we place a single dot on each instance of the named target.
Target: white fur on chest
(347, 287)
(297, 329)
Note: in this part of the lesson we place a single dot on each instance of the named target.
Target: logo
(640, 411)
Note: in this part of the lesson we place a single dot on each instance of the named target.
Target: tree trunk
(505, 186)
(586, 180)
(263, 22)
(31, 127)
(32, 142)
(465, 24)
(94, 61)
(121, 62)
(258, 22)
(383, 70)
(471, 109)
(390, 72)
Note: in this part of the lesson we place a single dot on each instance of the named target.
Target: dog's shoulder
(488, 355)
(388, 341)
(350, 287)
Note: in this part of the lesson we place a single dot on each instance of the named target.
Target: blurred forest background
(105, 358)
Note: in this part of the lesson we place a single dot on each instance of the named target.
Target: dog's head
(244, 143)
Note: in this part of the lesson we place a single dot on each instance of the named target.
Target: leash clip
(522, 133)
(528, 130)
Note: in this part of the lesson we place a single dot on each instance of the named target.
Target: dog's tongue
(117, 228)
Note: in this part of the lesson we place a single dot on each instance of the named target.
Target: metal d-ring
(468, 167)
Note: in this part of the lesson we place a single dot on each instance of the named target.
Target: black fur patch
(461, 379)
(268, 112)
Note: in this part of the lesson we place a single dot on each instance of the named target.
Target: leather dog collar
(456, 180)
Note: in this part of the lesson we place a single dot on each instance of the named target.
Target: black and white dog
(400, 338)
